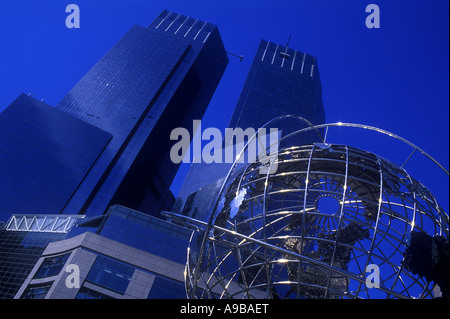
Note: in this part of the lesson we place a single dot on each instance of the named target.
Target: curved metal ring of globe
(324, 225)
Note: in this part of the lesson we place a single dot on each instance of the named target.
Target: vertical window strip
(190, 28)
(273, 58)
(312, 70)
(172, 22)
(163, 20)
(207, 36)
(187, 18)
(293, 61)
(303, 62)
(264, 54)
(200, 30)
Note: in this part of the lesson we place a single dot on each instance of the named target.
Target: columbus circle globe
(332, 221)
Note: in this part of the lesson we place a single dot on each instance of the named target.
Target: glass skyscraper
(153, 80)
(107, 141)
(281, 81)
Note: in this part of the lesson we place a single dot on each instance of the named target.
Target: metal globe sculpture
(332, 221)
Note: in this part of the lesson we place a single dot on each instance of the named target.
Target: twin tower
(108, 141)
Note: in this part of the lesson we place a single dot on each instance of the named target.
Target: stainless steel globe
(332, 221)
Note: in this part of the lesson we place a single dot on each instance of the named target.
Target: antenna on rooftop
(287, 44)
(241, 57)
(285, 54)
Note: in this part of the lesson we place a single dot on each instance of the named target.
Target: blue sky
(395, 77)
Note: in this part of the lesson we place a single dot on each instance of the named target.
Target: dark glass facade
(110, 274)
(281, 81)
(165, 288)
(86, 293)
(36, 292)
(146, 233)
(44, 157)
(51, 266)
